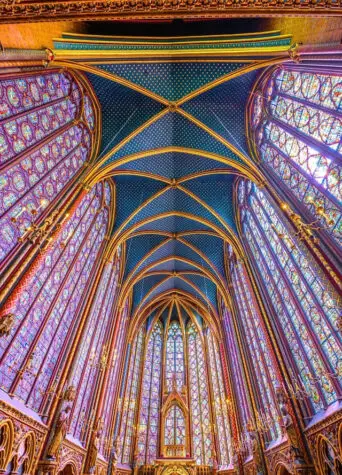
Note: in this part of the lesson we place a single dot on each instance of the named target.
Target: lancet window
(260, 353)
(93, 352)
(113, 386)
(219, 403)
(237, 370)
(175, 431)
(47, 309)
(149, 418)
(296, 123)
(305, 307)
(174, 362)
(129, 406)
(199, 398)
(47, 129)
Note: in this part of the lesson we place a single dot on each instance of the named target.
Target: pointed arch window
(305, 306)
(149, 418)
(219, 402)
(174, 365)
(174, 429)
(47, 310)
(199, 399)
(47, 128)
(296, 124)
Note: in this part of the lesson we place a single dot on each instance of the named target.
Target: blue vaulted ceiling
(173, 140)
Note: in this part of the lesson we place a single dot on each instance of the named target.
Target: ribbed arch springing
(219, 403)
(47, 128)
(149, 417)
(47, 310)
(174, 358)
(303, 302)
(202, 438)
(296, 120)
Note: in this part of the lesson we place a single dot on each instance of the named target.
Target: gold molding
(81, 10)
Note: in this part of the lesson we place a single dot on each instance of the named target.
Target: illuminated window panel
(306, 307)
(261, 358)
(45, 139)
(47, 308)
(236, 362)
(174, 427)
(174, 367)
(297, 124)
(199, 399)
(150, 398)
(129, 406)
(219, 403)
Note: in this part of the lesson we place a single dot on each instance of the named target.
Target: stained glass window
(46, 132)
(297, 124)
(199, 399)
(47, 309)
(174, 427)
(237, 374)
(219, 403)
(148, 428)
(129, 406)
(112, 388)
(305, 305)
(93, 349)
(174, 365)
(260, 354)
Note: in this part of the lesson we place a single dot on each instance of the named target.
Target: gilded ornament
(59, 434)
(94, 446)
(6, 324)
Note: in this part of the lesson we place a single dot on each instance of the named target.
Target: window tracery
(93, 350)
(297, 122)
(237, 372)
(306, 308)
(46, 311)
(261, 356)
(112, 388)
(219, 402)
(47, 128)
(175, 427)
(199, 399)
(174, 364)
(149, 419)
(129, 406)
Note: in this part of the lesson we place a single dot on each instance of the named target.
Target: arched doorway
(68, 470)
(282, 470)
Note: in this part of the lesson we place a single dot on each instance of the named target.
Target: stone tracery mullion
(50, 274)
(304, 279)
(329, 369)
(294, 330)
(252, 331)
(96, 337)
(95, 242)
(46, 318)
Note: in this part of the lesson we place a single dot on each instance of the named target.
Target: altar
(175, 466)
